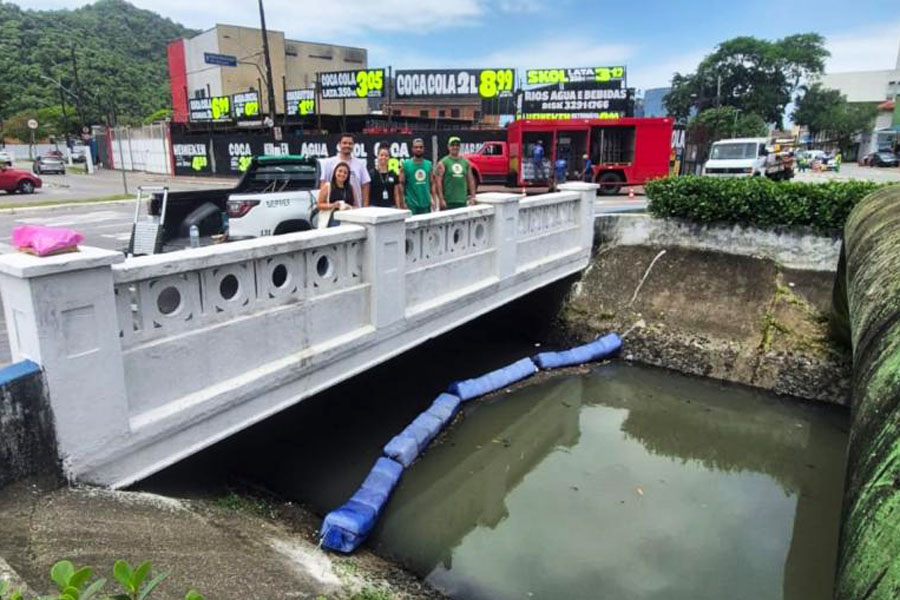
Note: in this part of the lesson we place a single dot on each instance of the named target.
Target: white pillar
(588, 193)
(61, 313)
(384, 259)
(506, 226)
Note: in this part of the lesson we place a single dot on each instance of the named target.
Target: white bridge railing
(150, 359)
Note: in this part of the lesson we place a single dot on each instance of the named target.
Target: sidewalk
(234, 550)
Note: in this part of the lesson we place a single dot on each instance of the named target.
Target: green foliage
(715, 124)
(756, 201)
(827, 111)
(158, 115)
(75, 584)
(372, 593)
(132, 581)
(757, 76)
(120, 52)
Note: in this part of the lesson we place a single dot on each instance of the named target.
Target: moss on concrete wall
(869, 556)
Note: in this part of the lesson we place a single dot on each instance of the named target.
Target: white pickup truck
(747, 157)
(284, 199)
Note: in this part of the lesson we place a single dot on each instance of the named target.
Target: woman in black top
(384, 190)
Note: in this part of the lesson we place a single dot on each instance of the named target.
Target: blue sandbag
(489, 382)
(346, 527)
(425, 428)
(403, 448)
(605, 346)
(444, 407)
(409, 443)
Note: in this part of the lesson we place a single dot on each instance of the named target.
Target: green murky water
(626, 483)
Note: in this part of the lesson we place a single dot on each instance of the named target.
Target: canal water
(616, 482)
(626, 482)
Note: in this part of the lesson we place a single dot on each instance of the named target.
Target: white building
(876, 87)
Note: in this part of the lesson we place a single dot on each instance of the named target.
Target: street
(104, 183)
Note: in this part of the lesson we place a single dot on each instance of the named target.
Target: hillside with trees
(120, 52)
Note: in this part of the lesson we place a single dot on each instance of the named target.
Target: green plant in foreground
(73, 584)
(6, 592)
(71, 581)
(132, 580)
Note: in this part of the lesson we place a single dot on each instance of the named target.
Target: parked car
(18, 180)
(79, 152)
(48, 163)
(6, 158)
(882, 158)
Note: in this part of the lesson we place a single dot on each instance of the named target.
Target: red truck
(622, 152)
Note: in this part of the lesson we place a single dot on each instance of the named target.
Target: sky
(653, 38)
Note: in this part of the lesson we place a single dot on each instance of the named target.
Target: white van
(739, 157)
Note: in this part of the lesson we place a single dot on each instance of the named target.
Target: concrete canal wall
(870, 538)
(27, 440)
(731, 303)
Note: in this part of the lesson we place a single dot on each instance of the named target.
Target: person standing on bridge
(537, 161)
(385, 191)
(359, 175)
(453, 179)
(416, 182)
(335, 195)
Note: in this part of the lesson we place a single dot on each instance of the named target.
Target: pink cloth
(45, 240)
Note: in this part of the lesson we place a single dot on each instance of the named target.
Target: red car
(16, 180)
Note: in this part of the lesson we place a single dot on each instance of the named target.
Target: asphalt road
(104, 183)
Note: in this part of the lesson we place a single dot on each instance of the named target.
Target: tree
(827, 112)
(715, 124)
(120, 52)
(17, 126)
(757, 76)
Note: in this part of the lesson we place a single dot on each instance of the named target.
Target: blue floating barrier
(605, 346)
(346, 527)
(425, 427)
(444, 407)
(489, 382)
(403, 448)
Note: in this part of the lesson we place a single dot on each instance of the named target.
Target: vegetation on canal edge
(80, 584)
(757, 201)
(870, 540)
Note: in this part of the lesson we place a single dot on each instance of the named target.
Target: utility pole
(265, 39)
(719, 91)
(62, 100)
(115, 122)
(78, 89)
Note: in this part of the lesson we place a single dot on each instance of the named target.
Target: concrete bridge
(151, 359)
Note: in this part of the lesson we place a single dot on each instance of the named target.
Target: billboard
(245, 105)
(484, 83)
(580, 75)
(583, 101)
(365, 83)
(217, 108)
(299, 102)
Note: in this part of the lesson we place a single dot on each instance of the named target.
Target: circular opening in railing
(434, 241)
(279, 276)
(169, 300)
(229, 287)
(409, 246)
(323, 266)
(479, 232)
(457, 236)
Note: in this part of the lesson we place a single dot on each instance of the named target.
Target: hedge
(756, 201)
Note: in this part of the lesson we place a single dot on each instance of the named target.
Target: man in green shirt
(416, 185)
(453, 179)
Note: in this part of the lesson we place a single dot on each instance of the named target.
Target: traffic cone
(631, 193)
